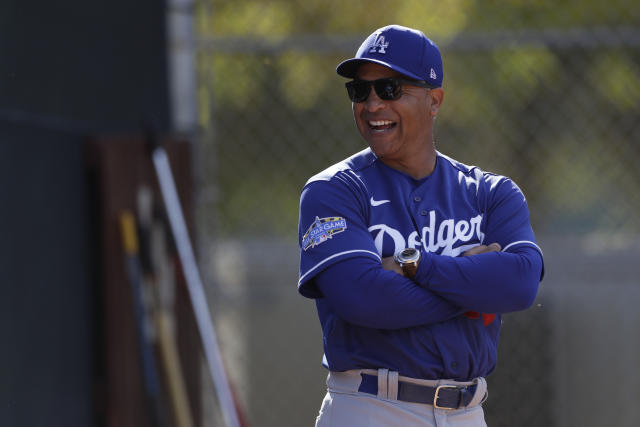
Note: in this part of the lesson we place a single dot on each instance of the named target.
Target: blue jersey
(360, 210)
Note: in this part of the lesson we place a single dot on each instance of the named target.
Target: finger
(389, 263)
(475, 251)
(482, 249)
(494, 247)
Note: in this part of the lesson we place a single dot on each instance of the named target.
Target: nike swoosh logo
(378, 202)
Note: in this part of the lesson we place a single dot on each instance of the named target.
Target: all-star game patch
(323, 229)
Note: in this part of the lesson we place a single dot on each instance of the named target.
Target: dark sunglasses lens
(388, 89)
(358, 90)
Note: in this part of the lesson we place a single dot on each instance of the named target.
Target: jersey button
(423, 212)
(417, 199)
(454, 365)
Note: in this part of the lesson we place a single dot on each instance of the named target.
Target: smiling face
(400, 132)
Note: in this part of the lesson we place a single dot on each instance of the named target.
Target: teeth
(379, 122)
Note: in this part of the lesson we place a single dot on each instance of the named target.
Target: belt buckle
(436, 396)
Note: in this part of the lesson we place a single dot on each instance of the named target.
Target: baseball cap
(402, 49)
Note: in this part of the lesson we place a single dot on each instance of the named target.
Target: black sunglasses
(389, 88)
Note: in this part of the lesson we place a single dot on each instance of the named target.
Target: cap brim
(349, 68)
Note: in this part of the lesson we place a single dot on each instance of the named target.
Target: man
(411, 256)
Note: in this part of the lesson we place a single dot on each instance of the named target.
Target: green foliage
(273, 19)
(617, 78)
(561, 120)
(281, 18)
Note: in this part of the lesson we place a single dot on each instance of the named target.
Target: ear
(437, 97)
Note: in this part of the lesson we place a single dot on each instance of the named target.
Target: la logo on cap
(379, 44)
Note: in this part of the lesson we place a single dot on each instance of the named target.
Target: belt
(442, 397)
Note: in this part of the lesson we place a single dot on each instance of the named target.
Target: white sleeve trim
(324, 261)
(528, 242)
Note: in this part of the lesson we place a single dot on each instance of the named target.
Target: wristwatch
(408, 259)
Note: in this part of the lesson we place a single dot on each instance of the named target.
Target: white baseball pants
(344, 406)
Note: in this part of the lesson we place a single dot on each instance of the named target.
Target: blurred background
(245, 98)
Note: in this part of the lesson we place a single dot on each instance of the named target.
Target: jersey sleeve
(361, 292)
(331, 228)
(496, 282)
(507, 215)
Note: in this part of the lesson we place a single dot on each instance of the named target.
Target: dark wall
(68, 70)
(45, 302)
(98, 64)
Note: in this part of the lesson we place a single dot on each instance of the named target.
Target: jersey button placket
(418, 212)
(417, 200)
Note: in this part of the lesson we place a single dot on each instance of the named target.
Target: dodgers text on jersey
(434, 237)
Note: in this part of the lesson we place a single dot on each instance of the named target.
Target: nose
(373, 101)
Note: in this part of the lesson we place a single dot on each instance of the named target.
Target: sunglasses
(388, 89)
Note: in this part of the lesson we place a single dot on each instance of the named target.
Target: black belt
(443, 396)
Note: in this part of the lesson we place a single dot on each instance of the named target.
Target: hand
(483, 249)
(389, 263)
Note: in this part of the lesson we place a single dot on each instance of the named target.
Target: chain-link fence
(545, 92)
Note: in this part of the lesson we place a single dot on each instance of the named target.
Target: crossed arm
(389, 263)
(365, 292)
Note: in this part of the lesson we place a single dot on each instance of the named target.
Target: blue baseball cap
(402, 49)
